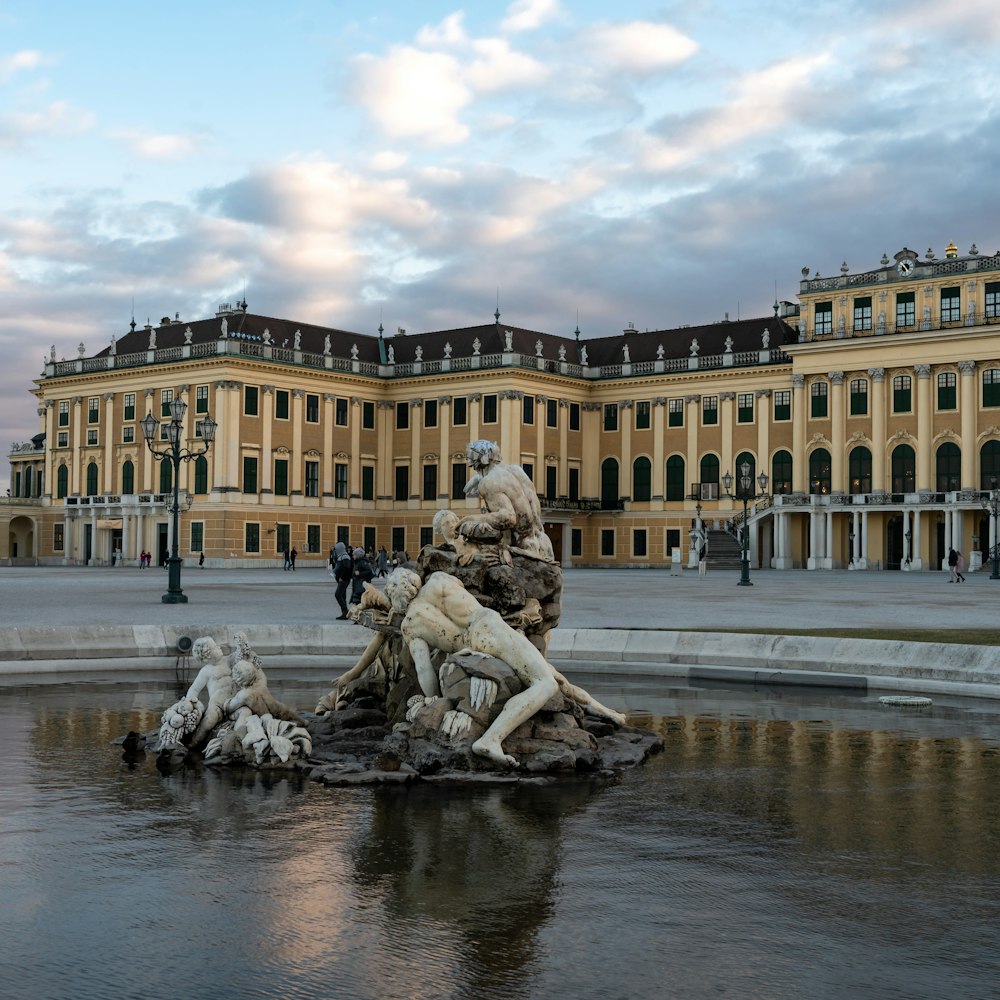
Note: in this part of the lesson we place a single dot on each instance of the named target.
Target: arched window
(675, 477)
(92, 479)
(904, 469)
(201, 474)
(991, 387)
(989, 464)
(128, 477)
(710, 469)
(781, 473)
(819, 471)
(745, 456)
(62, 482)
(949, 468)
(166, 477)
(642, 473)
(859, 469)
(610, 494)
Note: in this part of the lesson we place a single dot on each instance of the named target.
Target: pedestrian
(121, 557)
(343, 572)
(703, 558)
(952, 566)
(201, 560)
(383, 561)
(363, 573)
(114, 556)
(287, 559)
(291, 558)
(959, 566)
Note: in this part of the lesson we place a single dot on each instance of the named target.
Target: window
(607, 541)
(551, 481)
(611, 416)
(402, 416)
(819, 471)
(946, 391)
(280, 404)
(312, 409)
(426, 536)
(367, 482)
(574, 483)
(948, 467)
(368, 415)
(902, 400)
(339, 410)
(251, 400)
(459, 477)
(709, 410)
(528, 409)
(164, 428)
(368, 536)
(282, 537)
(398, 539)
(490, 409)
(609, 484)
(989, 464)
(460, 411)
(992, 299)
(859, 470)
(576, 542)
(863, 313)
(818, 399)
(951, 305)
(58, 537)
(781, 473)
(197, 536)
(639, 542)
(313, 538)
(64, 413)
(430, 481)
(62, 483)
(402, 483)
(94, 408)
(430, 413)
(92, 437)
(166, 477)
(744, 458)
(642, 415)
(200, 475)
(340, 480)
(344, 534)
(552, 413)
(281, 477)
(783, 404)
(710, 475)
(62, 438)
(859, 397)
(744, 408)
(904, 469)
(675, 478)
(529, 470)
(574, 416)
(673, 541)
(249, 474)
(824, 318)
(905, 309)
(201, 399)
(251, 534)
(312, 479)
(675, 412)
(128, 409)
(991, 387)
(642, 479)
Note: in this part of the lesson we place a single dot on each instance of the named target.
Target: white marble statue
(626, 357)
(326, 345)
(447, 350)
(224, 330)
(419, 354)
(152, 340)
(765, 338)
(508, 340)
(511, 503)
(659, 352)
(216, 678)
(562, 352)
(583, 355)
(391, 354)
(695, 348)
(538, 348)
(354, 352)
(253, 694)
(297, 341)
(729, 345)
(178, 721)
(476, 345)
(267, 336)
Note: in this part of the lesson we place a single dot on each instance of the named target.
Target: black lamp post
(175, 454)
(745, 493)
(992, 504)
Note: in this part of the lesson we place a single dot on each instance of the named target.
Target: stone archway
(21, 539)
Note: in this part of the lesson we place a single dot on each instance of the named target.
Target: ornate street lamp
(175, 454)
(746, 493)
(991, 503)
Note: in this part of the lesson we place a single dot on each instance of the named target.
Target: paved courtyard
(39, 596)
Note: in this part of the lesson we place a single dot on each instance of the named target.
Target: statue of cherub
(254, 695)
(215, 676)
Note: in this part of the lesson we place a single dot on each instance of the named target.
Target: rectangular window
(951, 305)
(863, 313)
(992, 299)
(490, 409)
(859, 397)
(92, 437)
(280, 404)
(251, 535)
(166, 398)
(399, 540)
(673, 542)
(824, 318)
(251, 400)
(197, 536)
(312, 408)
(744, 408)
(552, 412)
(528, 409)
(128, 434)
(282, 537)
(819, 396)
(459, 477)
(94, 409)
(611, 416)
(529, 470)
(574, 416)
(574, 483)
(281, 477)
(312, 479)
(426, 536)
(314, 538)
(368, 534)
(340, 480)
(906, 309)
(201, 399)
(551, 481)
(430, 482)
(639, 542)
(783, 404)
(368, 415)
(128, 410)
(58, 537)
(642, 415)
(675, 412)
(402, 483)
(709, 410)
(576, 542)
(339, 411)
(607, 541)
(946, 391)
(344, 534)
(430, 413)
(64, 413)
(902, 394)
(460, 411)
(367, 482)
(991, 387)
(164, 432)
(402, 416)
(62, 438)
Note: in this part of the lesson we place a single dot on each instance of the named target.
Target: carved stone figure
(508, 340)
(253, 694)
(476, 345)
(583, 355)
(626, 356)
(659, 352)
(177, 722)
(224, 330)
(152, 340)
(216, 677)
(188, 335)
(538, 348)
(695, 348)
(419, 354)
(447, 350)
(391, 354)
(562, 352)
(297, 341)
(729, 345)
(354, 352)
(765, 338)
(326, 345)
(113, 349)
(267, 336)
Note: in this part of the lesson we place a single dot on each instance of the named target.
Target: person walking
(201, 560)
(363, 573)
(287, 564)
(952, 566)
(343, 572)
(292, 556)
(383, 561)
(959, 566)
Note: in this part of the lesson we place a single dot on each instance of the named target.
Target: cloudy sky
(351, 163)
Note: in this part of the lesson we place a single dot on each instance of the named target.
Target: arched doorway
(21, 542)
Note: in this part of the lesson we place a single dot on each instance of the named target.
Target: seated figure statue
(510, 500)
(215, 676)
(253, 694)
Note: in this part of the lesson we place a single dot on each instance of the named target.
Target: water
(783, 846)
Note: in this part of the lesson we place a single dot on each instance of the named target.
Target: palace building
(873, 408)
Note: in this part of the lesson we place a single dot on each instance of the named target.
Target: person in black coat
(363, 573)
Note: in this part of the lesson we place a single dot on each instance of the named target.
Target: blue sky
(652, 163)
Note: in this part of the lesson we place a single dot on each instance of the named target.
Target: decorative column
(295, 460)
(148, 462)
(416, 467)
(967, 404)
(444, 467)
(828, 540)
(475, 414)
(877, 375)
(838, 434)
(691, 423)
(800, 464)
(763, 432)
(386, 422)
(266, 441)
(564, 467)
(659, 452)
(726, 420)
(813, 539)
(50, 443)
(354, 470)
(75, 485)
(326, 470)
(924, 413)
(916, 557)
(625, 420)
(591, 459)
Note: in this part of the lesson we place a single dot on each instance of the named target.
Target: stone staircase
(723, 551)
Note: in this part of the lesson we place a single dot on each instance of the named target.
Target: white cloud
(527, 15)
(450, 32)
(639, 46)
(388, 161)
(25, 59)
(497, 67)
(57, 118)
(160, 147)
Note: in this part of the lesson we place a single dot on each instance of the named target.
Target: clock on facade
(905, 267)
